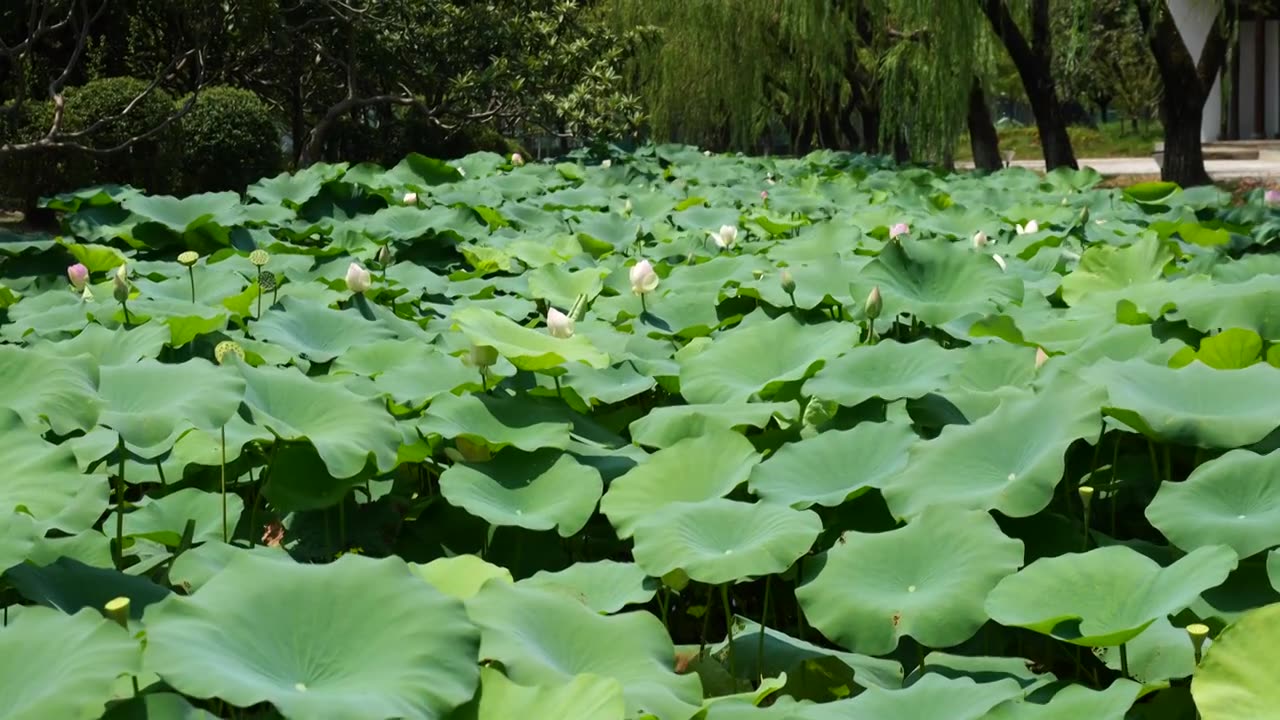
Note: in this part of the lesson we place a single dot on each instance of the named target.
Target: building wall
(1194, 18)
(1273, 69)
(1248, 90)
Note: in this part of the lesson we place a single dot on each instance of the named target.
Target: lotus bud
(874, 303)
(188, 258)
(1086, 495)
(764, 195)
(1084, 216)
(118, 610)
(788, 282)
(259, 258)
(384, 255)
(120, 284)
(643, 279)
(606, 163)
(78, 274)
(726, 237)
(517, 159)
(483, 356)
(769, 179)
(358, 279)
(227, 348)
(1272, 198)
(1198, 633)
(706, 153)
(1031, 227)
(979, 239)
(410, 198)
(1041, 357)
(899, 229)
(1000, 261)
(627, 207)
(559, 324)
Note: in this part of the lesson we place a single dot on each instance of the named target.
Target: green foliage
(230, 138)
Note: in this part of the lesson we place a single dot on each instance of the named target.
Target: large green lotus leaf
(357, 638)
(607, 385)
(825, 280)
(62, 666)
(157, 706)
(1161, 653)
(164, 519)
(984, 669)
(1010, 460)
(987, 376)
(749, 360)
(59, 392)
(605, 586)
(1230, 349)
(1209, 305)
(182, 214)
(1105, 272)
(561, 286)
(70, 586)
(888, 370)
(44, 481)
(315, 332)
(933, 696)
(1232, 500)
(665, 426)
(718, 541)
(408, 371)
(699, 468)
(460, 576)
(295, 188)
(526, 349)
(51, 313)
(833, 465)
(90, 547)
(151, 404)
(109, 346)
(538, 491)
(935, 282)
(584, 697)
(542, 639)
(18, 538)
(1074, 702)
(490, 421)
(346, 429)
(1124, 592)
(1194, 405)
(927, 580)
(804, 664)
(1236, 679)
(197, 566)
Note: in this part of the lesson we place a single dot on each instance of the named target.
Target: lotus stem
(1124, 660)
(643, 308)
(223, 478)
(728, 628)
(1198, 633)
(259, 313)
(556, 378)
(1086, 499)
(792, 295)
(484, 380)
(125, 306)
(191, 273)
(706, 622)
(764, 617)
(120, 502)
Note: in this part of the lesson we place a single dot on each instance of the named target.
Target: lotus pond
(666, 435)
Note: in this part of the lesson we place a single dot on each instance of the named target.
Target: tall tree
(1187, 83)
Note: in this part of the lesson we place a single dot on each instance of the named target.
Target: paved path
(1218, 169)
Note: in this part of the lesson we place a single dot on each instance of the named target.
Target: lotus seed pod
(227, 348)
(874, 303)
(788, 282)
(267, 282)
(259, 257)
(483, 356)
(118, 610)
(188, 258)
(1198, 632)
(1086, 495)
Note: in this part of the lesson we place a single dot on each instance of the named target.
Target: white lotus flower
(726, 237)
(706, 153)
(559, 324)
(517, 159)
(874, 303)
(411, 198)
(358, 279)
(979, 239)
(627, 207)
(1030, 227)
(606, 164)
(643, 279)
(1000, 261)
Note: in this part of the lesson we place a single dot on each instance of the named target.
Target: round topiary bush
(230, 139)
(147, 163)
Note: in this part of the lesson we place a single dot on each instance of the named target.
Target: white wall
(1273, 78)
(1247, 90)
(1194, 19)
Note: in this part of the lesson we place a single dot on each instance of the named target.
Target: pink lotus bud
(1272, 198)
(559, 324)
(643, 279)
(1041, 357)
(78, 274)
(358, 279)
(764, 195)
(899, 229)
(517, 159)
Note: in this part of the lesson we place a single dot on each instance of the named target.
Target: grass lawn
(1108, 140)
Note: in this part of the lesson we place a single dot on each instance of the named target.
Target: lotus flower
(1272, 198)
(1041, 357)
(384, 256)
(120, 284)
(78, 274)
(627, 207)
(788, 282)
(899, 229)
(706, 153)
(643, 279)
(726, 237)
(606, 163)
(411, 198)
(1000, 261)
(764, 195)
(559, 324)
(874, 303)
(517, 159)
(358, 279)
(979, 239)
(1031, 227)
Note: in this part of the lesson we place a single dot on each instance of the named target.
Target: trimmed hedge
(230, 139)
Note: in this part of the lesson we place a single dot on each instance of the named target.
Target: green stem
(1115, 494)
(342, 523)
(1155, 464)
(728, 629)
(793, 298)
(663, 599)
(191, 273)
(1088, 510)
(1124, 660)
(764, 617)
(643, 307)
(223, 479)
(706, 622)
(259, 313)
(556, 378)
(120, 503)
(484, 380)
(125, 307)
(1168, 464)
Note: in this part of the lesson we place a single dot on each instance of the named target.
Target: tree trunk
(982, 132)
(1183, 154)
(1033, 62)
(901, 150)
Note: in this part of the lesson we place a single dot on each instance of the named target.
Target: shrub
(146, 164)
(230, 139)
